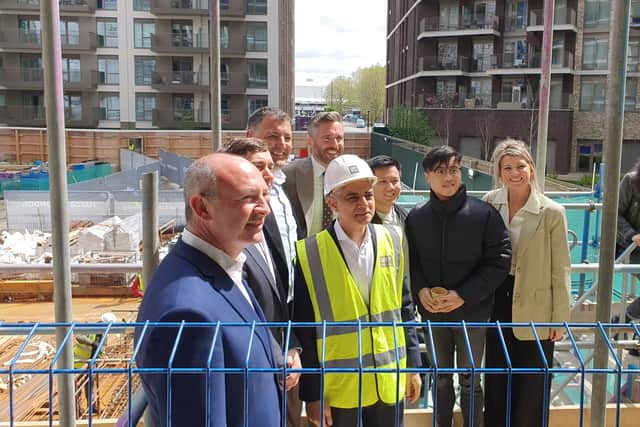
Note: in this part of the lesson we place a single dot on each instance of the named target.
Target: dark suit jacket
(270, 292)
(189, 286)
(402, 214)
(299, 189)
(310, 388)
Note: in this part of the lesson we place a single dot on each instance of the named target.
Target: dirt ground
(84, 310)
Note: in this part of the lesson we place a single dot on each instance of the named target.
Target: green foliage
(370, 92)
(410, 124)
(339, 94)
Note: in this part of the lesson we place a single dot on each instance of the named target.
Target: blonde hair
(515, 148)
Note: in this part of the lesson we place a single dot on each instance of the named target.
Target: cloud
(336, 37)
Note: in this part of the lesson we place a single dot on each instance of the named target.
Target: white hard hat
(345, 169)
(108, 318)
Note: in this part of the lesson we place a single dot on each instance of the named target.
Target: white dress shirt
(359, 259)
(281, 207)
(233, 267)
(314, 215)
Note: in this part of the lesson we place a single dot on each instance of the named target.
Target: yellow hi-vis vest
(336, 298)
(82, 353)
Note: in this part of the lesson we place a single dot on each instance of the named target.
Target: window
(182, 34)
(447, 54)
(256, 7)
(445, 90)
(633, 56)
(183, 107)
(70, 32)
(516, 16)
(108, 70)
(145, 104)
(71, 70)
(557, 52)
(257, 36)
(257, 71)
(482, 52)
(108, 4)
(145, 67)
(592, 95)
(33, 107)
(110, 107)
(3, 100)
(594, 55)
(73, 107)
(597, 12)
(182, 70)
(255, 103)
(515, 53)
(630, 95)
(142, 5)
(449, 16)
(224, 36)
(31, 68)
(107, 30)
(224, 73)
(481, 92)
(224, 104)
(589, 153)
(143, 33)
(29, 29)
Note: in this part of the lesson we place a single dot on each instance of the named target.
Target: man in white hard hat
(351, 271)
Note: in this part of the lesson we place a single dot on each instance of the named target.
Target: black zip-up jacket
(462, 244)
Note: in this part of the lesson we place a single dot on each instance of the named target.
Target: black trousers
(527, 390)
(376, 415)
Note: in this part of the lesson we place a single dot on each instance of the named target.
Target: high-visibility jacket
(82, 353)
(335, 297)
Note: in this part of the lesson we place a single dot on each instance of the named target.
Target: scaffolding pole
(53, 98)
(545, 88)
(214, 73)
(612, 154)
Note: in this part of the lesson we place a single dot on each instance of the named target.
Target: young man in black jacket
(458, 243)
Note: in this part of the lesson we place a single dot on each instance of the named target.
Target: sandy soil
(84, 310)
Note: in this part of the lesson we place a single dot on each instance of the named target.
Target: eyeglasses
(453, 170)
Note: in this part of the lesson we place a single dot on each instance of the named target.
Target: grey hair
(516, 148)
(266, 112)
(200, 178)
(324, 117)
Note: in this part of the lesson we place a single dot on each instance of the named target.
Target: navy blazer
(189, 286)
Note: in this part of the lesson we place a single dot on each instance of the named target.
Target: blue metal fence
(12, 368)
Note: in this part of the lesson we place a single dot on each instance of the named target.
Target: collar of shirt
(387, 218)
(233, 267)
(343, 237)
(318, 169)
(279, 176)
(532, 205)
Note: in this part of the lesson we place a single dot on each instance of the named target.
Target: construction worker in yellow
(83, 351)
(354, 271)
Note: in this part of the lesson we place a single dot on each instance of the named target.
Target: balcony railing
(188, 80)
(34, 5)
(179, 42)
(474, 22)
(561, 16)
(29, 78)
(437, 63)
(180, 7)
(235, 46)
(22, 39)
(233, 8)
(181, 119)
(233, 83)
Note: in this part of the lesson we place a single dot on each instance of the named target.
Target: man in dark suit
(304, 184)
(200, 280)
(386, 191)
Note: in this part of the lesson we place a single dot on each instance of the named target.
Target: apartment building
(144, 64)
(473, 67)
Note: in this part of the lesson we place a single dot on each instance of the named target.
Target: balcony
(510, 63)
(233, 83)
(180, 81)
(234, 119)
(180, 43)
(235, 47)
(33, 78)
(34, 115)
(472, 26)
(180, 7)
(232, 8)
(181, 119)
(76, 6)
(515, 101)
(439, 66)
(564, 19)
(32, 40)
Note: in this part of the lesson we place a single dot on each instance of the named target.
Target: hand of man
(313, 413)
(293, 361)
(414, 384)
(450, 302)
(555, 334)
(427, 301)
(636, 239)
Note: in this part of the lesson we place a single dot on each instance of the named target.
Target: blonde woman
(537, 288)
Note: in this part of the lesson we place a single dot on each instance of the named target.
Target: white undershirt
(359, 259)
(233, 267)
(515, 225)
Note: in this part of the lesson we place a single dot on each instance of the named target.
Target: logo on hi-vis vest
(386, 261)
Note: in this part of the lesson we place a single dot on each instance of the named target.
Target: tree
(410, 124)
(483, 124)
(339, 94)
(369, 91)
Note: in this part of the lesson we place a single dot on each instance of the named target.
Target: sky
(336, 37)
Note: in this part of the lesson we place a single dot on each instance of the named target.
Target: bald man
(200, 280)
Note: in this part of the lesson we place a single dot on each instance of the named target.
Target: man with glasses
(460, 252)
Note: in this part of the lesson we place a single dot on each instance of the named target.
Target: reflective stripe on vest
(330, 285)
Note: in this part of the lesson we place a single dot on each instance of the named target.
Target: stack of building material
(113, 234)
